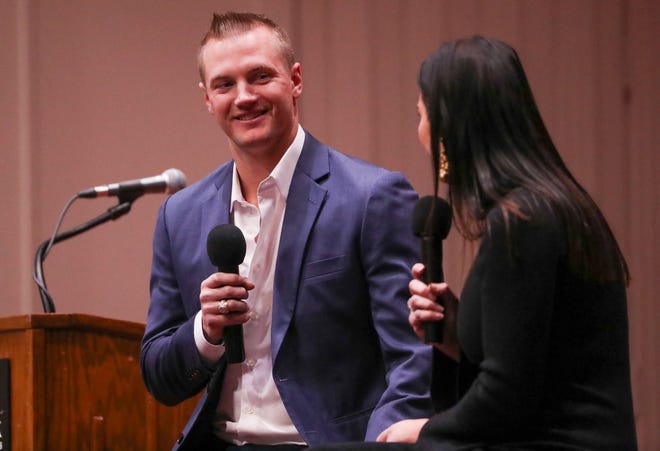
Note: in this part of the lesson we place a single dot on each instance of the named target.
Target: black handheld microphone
(225, 245)
(169, 182)
(431, 222)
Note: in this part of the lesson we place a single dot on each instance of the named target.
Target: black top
(551, 349)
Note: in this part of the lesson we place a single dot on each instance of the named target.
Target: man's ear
(296, 80)
(207, 101)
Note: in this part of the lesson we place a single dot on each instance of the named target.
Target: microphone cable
(42, 253)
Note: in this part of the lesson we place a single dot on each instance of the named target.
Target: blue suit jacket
(345, 359)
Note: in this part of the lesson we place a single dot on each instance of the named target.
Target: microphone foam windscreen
(225, 245)
(438, 224)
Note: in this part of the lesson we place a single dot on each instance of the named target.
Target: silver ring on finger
(222, 307)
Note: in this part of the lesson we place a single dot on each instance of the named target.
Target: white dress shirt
(250, 408)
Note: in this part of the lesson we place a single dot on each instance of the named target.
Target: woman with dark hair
(542, 321)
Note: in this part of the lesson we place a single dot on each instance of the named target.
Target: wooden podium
(75, 384)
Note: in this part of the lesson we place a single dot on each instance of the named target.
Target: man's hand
(221, 298)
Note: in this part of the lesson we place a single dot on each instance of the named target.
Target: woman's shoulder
(526, 220)
(522, 205)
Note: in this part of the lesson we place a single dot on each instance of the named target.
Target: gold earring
(443, 172)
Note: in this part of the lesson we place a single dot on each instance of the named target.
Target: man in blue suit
(321, 294)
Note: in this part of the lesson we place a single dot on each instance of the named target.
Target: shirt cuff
(209, 352)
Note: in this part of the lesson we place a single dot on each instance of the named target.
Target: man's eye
(263, 76)
(224, 85)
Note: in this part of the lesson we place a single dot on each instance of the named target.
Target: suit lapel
(304, 202)
(215, 204)
(214, 209)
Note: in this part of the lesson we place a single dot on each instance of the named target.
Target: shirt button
(249, 410)
(253, 315)
(250, 363)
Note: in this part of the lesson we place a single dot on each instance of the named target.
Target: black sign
(5, 406)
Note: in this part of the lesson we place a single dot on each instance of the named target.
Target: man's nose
(245, 94)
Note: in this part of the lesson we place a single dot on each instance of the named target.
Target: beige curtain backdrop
(100, 91)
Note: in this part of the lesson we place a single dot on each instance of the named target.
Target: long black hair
(480, 104)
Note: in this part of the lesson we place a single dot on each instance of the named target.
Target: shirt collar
(282, 174)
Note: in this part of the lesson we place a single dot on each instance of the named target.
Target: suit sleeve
(389, 249)
(171, 366)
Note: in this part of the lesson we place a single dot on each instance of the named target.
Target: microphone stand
(113, 213)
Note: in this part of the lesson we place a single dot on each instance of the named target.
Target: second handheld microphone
(431, 222)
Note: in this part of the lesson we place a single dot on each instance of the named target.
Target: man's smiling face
(251, 91)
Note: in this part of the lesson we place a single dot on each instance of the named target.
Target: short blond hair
(233, 23)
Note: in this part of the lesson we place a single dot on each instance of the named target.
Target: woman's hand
(433, 302)
(405, 431)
